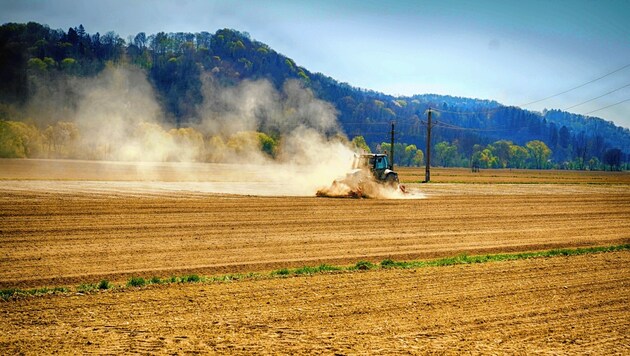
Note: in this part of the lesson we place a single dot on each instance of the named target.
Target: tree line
(500, 154)
(175, 63)
(148, 141)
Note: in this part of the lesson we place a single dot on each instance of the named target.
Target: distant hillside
(175, 63)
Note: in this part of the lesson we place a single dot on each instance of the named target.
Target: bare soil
(522, 176)
(89, 221)
(560, 305)
(65, 233)
(62, 232)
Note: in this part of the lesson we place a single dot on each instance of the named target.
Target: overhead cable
(606, 107)
(454, 127)
(588, 101)
(543, 99)
(577, 87)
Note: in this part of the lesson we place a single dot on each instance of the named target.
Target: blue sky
(514, 52)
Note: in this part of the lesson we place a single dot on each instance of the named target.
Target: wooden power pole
(391, 153)
(427, 175)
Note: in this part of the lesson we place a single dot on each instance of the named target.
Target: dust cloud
(286, 141)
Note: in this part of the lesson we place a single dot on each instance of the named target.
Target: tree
(32, 53)
(503, 151)
(553, 135)
(19, 140)
(410, 154)
(399, 154)
(69, 64)
(539, 153)
(267, 144)
(445, 154)
(519, 156)
(593, 164)
(61, 139)
(140, 40)
(384, 147)
(612, 158)
(564, 137)
(483, 158)
(37, 66)
(189, 143)
(80, 31)
(580, 149)
(358, 142)
(216, 150)
(73, 37)
(418, 158)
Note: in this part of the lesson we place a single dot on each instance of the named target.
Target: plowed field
(60, 233)
(88, 221)
(556, 305)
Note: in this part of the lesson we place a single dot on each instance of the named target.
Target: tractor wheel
(392, 180)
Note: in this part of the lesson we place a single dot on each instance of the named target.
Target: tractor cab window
(381, 163)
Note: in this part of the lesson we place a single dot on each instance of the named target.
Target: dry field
(556, 305)
(65, 223)
(514, 176)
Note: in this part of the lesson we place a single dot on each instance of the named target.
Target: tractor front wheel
(392, 180)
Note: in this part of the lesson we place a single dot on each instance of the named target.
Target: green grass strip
(465, 259)
(306, 270)
(136, 282)
(448, 261)
(7, 294)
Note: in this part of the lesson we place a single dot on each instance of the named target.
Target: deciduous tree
(539, 153)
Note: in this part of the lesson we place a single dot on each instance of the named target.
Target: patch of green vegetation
(307, 270)
(193, 278)
(465, 259)
(46, 290)
(232, 277)
(6, 294)
(363, 266)
(281, 272)
(136, 282)
(389, 263)
(104, 284)
(86, 287)
(252, 275)
(155, 280)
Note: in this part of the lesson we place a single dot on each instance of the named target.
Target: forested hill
(175, 63)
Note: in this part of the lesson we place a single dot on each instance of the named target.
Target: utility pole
(391, 153)
(427, 175)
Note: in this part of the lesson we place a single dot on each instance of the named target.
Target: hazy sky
(514, 52)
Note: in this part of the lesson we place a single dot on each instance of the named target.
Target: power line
(577, 87)
(588, 101)
(606, 107)
(454, 127)
(549, 97)
(368, 123)
(485, 111)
